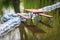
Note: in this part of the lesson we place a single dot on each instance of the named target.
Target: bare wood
(26, 17)
(34, 10)
(42, 14)
(33, 28)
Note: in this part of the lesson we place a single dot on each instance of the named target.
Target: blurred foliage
(12, 3)
(5, 3)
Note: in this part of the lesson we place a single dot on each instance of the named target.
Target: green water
(51, 33)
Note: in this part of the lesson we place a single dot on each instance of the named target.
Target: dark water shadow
(46, 24)
(33, 28)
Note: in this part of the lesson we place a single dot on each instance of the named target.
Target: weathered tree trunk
(16, 5)
(14, 34)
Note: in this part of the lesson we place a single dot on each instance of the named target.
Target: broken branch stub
(45, 15)
(26, 17)
(35, 11)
